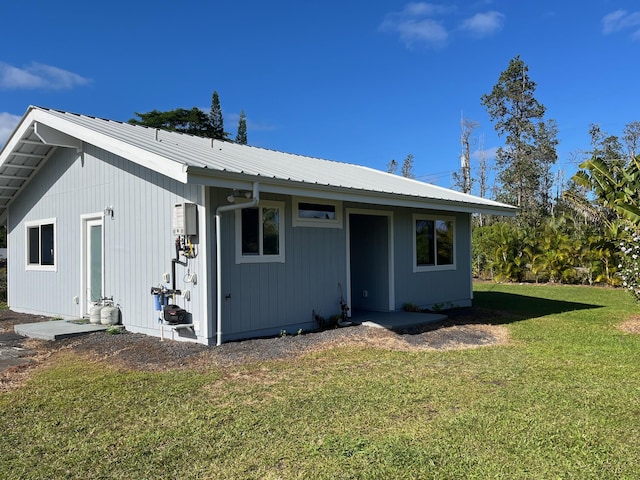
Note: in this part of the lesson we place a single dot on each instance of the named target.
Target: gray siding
(263, 299)
(436, 287)
(266, 298)
(138, 241)
(258, 299)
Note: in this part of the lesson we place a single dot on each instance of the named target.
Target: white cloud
(424, 24)
(425, 31)
(415, 24)
(487, 153)
(622, 20)
(8, 123)
(39, 76)
(483, 24)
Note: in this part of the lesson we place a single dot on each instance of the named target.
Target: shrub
(629, 268)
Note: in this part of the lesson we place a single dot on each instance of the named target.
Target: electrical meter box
(184, 219)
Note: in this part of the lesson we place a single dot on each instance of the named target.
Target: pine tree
(523, 164)
(241, 136)
(215, 118)
(407, 167)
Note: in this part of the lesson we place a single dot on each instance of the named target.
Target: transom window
(314, 212)
(41, 245)
(260, 233)
(433, 243)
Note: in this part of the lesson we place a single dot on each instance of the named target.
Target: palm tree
(615, 186)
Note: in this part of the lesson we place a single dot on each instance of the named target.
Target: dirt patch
(465, 328)
(632, 325)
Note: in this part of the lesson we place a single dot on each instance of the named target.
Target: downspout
(255, 199)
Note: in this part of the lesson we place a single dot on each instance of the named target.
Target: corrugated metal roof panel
(225, 157)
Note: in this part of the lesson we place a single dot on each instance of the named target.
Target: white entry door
(93, 259)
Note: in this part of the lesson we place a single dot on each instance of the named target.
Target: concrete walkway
(56, 329)
(396, 320)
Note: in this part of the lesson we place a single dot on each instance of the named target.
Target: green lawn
(560, 401)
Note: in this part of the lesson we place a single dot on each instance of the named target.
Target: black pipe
(173, 266)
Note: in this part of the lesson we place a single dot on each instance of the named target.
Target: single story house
(246, 241)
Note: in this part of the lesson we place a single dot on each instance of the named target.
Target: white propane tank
(94, 313)
(110, 315)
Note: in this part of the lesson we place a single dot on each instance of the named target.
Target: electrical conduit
(255, 199)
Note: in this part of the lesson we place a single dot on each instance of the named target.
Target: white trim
(217, 178)
(260, 257)
(298, 221)
(435, 267)
(38, 266)
(135, 154)
(390, 255)
(206, 326)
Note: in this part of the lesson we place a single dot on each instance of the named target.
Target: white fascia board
(138, 155)
(19, 132)
(221, 179)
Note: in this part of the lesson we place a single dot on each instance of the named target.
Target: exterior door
(93, 261)
(370, 260)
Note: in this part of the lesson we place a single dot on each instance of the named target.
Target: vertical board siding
(139, 246)
(138, 241)
(266, 298)
(436, 287)
(269, 297)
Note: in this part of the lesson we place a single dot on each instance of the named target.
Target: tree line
(583, 233)
(194, 121)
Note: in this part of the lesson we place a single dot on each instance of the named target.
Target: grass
(560, 401)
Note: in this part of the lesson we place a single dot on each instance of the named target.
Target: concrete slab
(396, 320)
(57, 329)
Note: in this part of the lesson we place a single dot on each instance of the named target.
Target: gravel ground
(465, 328)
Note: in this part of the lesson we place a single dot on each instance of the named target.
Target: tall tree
(241, 136)
(631, 137)
(483, 182)
(545, 143)
(517, 115)
(215, 117)
(407, 167)
(462, 179)
(193, 122)
(604, 146)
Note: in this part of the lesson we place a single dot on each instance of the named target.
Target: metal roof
(192, 159)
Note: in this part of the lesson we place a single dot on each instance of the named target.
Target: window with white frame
(314, 212)
(41, 245)
(433, 243)
(260, 233)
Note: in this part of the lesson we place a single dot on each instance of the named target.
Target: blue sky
(356, 81)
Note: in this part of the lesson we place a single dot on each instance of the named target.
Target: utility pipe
(255, 199)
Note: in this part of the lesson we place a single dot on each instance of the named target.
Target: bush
(629, 268)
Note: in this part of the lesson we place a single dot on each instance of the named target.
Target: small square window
(260, 233)
(40, 245)
(433, 243)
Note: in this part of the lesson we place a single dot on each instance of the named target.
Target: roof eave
(145, 158)
(224, 179)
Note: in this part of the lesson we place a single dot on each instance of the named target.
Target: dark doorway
(369, 261)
